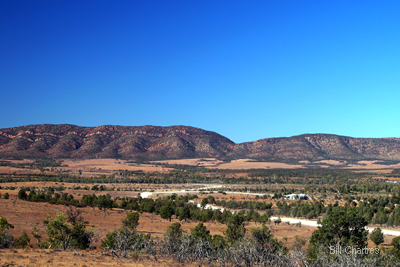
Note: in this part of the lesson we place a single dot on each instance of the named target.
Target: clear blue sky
(245, 69)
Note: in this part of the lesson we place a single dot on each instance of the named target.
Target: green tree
(380, 217)
(218, 241)
(200, 231)
(22, 194)
(184, 213)
(235, 229)
(377, 236)
(390, 221)
(63, 235)
(211, 200)
(204, 202)
(173, 238)
(131, 221)
(6, 196)
(342, 226)
(81, 238)
(396, 247)
(264, 237)
(166, 212)
(174, 230)
(58, 231)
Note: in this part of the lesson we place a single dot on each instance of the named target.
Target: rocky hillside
(153, 142)
(317, 146)
(145, 142)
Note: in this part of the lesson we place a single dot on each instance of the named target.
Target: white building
(296, 196)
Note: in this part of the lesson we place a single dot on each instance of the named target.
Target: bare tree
(94, 237)
(74, 215)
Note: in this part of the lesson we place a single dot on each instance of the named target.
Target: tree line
(166, 207)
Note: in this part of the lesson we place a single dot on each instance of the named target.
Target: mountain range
(174, 142)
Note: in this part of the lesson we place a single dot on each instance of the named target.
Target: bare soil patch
(371, 165)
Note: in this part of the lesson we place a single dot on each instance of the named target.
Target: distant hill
(174, 142)
(317, 147)
(144, 142)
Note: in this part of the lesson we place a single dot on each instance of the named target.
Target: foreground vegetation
(234, 248)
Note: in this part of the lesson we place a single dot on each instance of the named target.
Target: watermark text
(352, 250)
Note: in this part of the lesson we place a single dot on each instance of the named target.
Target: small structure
(296, 196)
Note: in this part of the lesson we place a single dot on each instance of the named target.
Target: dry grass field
(25, 215)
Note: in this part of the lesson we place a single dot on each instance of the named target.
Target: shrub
(63, 235)
(126, 241)
(6, 240)
(23, 241)
(131, 221)
(22, 194)
(200, 231)
(264, 237)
